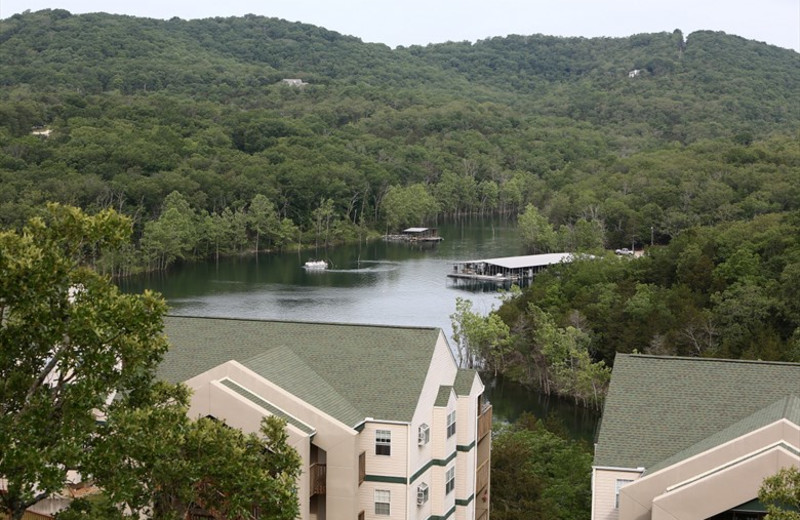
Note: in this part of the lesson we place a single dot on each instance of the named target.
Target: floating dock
(510, 269)
(416, 234)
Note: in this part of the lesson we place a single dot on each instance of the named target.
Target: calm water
(376, 283)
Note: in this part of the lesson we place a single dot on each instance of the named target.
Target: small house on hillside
(385, 422)
(294, 82)
(693, 438)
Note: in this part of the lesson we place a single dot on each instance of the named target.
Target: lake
(388, 283)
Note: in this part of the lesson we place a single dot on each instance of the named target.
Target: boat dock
(510, 269)
(416, 234)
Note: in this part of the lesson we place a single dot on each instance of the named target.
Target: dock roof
(522, 262)
(416, 230)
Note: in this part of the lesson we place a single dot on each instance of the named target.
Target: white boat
(316, 265)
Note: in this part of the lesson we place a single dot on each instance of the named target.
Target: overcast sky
(409, 22)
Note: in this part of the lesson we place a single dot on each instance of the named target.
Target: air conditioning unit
(422, 494)
(424, 434)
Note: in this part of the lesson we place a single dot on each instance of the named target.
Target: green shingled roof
(350, 372)
(443, 397)
(464, 379)
(658, 407)
(274, 410)
(786, 408)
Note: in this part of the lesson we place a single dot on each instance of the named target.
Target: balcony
(319, 475)
(482, 478)
(485, 422)
(362, 467)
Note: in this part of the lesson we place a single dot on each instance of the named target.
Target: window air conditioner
(424, 435)
(422, 494)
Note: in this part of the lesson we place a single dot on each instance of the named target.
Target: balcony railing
(485, 422)
(481, 478)
(319, 475)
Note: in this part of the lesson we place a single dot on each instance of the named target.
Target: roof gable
(658, 406)
(786, 408)
(350, 372)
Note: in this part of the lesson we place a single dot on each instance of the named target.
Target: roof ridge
(283, 349)
(302, 322)
(712, 360)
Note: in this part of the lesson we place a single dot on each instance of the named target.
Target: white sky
(409, 22)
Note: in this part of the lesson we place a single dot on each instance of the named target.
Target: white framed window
(422, 494)
(383, 442)
(449, 480)
(383, 502)
(451, 424)
(620, 483)
(424, 435)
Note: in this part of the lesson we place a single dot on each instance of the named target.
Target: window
(382, 502)
(383, 442)
(620, 483)
(450, 480)
(422, 494)
(451, 424)
(424, 435)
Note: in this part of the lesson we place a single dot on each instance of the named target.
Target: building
(294, 82)
(387, 425)
(693, 438)
(509, 268)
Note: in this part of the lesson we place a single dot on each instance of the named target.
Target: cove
(384, 283)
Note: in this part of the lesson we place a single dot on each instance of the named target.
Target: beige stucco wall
(636, 501)
(339, 441)
(604, 481)
(723, 489)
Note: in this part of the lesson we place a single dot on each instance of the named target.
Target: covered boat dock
(416, 234)
(507, 269)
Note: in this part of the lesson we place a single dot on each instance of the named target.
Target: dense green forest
(187, 127)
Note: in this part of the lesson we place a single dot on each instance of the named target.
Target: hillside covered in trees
(187, 127)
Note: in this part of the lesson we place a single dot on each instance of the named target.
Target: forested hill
(644, 136)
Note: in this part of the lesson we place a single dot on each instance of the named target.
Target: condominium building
(386, 423)
(693, 438)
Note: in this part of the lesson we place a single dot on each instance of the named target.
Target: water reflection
(510, 400)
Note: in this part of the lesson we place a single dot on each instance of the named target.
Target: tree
(74, 350)
(781, 494)
(480, 340)
(537, 474)
(154, 462)
(536, 232)
(69, 339)
(263, 219)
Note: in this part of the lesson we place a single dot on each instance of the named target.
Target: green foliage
(78, 391)
(537, 474)
(713, 291)
(781, 494)
(68, 340)
(536, 232)
(155, 460)
(380, 139)
(481, 341)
